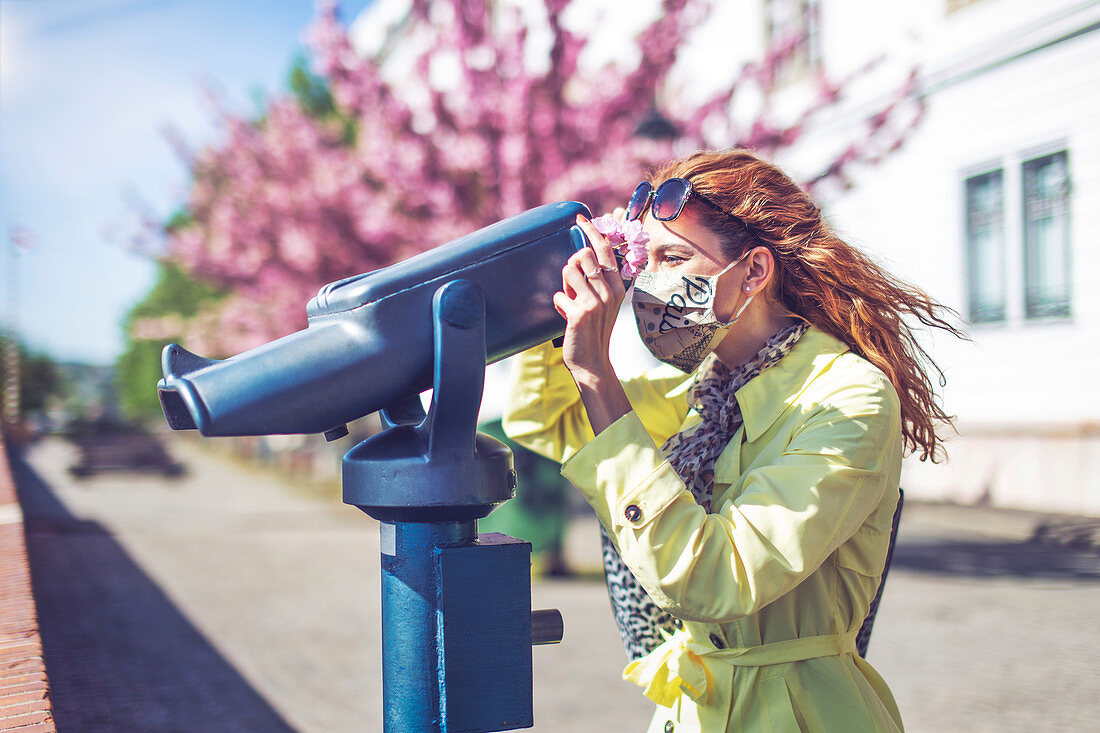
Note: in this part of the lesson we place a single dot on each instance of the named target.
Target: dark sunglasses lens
(637, 201)
(670, 199)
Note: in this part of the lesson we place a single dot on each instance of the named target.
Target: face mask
(675, 316)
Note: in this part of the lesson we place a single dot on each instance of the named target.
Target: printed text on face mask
(697, 291)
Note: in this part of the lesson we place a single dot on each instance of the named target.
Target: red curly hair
(823, 280)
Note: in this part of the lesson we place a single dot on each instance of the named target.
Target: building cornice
(1050, 31)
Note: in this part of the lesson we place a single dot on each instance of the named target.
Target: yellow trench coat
(771, 587)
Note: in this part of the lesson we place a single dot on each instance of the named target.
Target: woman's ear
(761, 267)
(747, 278)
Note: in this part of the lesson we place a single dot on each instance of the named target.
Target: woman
(752, 500)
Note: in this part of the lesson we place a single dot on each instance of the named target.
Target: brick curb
(24, 687)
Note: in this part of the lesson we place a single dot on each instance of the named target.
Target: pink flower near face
(634, 261)
(635, 240)
(611, 228)
(632, 232)
(628, 238)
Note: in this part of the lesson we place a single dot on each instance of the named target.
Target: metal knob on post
(547, 626)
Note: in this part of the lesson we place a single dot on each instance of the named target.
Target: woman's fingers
(585, 260)
(574, 281)
(562, 304)
(572, 275)
(588, 284)
(605, 253)
(565, 286)
(583, 273)
(590, 280)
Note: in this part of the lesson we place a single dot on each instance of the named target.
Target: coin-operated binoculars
(457, 625)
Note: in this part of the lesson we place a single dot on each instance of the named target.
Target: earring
(747, 288)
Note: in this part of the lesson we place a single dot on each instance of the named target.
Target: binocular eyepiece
(369, 341)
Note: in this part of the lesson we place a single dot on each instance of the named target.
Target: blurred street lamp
(656, 126)
(19, 240)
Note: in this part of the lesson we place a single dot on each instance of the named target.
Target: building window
(985, 246)
(797, 22)
(1046, 236)
(1017, 230)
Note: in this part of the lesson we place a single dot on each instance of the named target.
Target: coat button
(716, 641)
(633, 513)
(669, 727)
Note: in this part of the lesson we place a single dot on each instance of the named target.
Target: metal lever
(458, 311)
(547, 626)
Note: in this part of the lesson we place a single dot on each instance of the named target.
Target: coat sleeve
(544, 412)
(788, 517)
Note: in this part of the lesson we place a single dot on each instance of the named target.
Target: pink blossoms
(629, 240)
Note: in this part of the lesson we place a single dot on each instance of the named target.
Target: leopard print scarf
(642, 624)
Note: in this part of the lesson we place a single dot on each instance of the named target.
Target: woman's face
(683, 245)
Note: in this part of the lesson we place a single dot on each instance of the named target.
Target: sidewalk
(229, 601)
(956, 520)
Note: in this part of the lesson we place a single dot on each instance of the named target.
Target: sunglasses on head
(667, 202)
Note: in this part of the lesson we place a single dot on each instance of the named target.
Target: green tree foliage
(39, 378)
(174, 298)
(314, 96)
(310, 90)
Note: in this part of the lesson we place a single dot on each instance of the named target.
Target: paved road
(227, 601)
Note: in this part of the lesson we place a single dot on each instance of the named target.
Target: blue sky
(86, 88)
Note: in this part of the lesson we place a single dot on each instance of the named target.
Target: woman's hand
(592, 291)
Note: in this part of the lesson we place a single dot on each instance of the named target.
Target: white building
(986, 207)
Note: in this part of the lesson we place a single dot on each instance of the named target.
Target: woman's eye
(674, 260)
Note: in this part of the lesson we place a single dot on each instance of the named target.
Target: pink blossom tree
(305, 196)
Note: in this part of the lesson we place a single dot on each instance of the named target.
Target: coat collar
(764, 398)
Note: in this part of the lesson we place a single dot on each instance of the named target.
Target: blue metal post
(410, 618)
